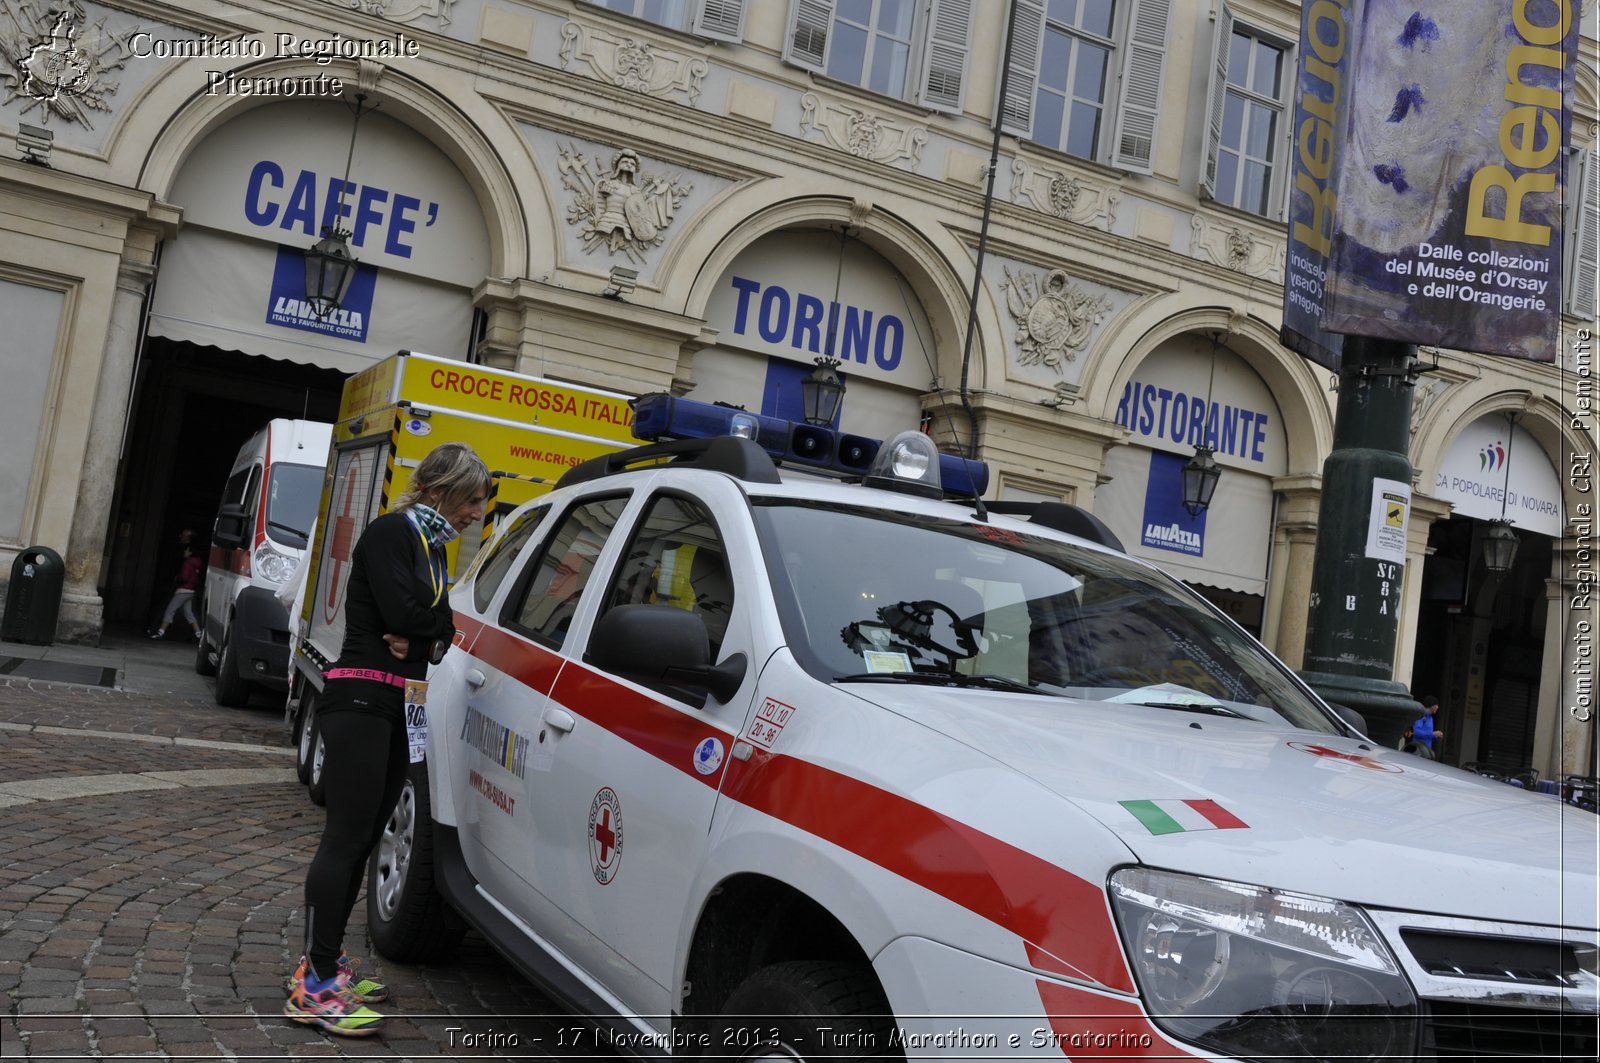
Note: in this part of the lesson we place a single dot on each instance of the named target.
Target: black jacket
(391, 592)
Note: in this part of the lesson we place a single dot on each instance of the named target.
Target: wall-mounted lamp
(34, 142)
(1500, 542)
(821, 392)
(330, 264)
(1201, 472)
(623, 280)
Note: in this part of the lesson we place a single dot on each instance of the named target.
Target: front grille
(1464, 1029)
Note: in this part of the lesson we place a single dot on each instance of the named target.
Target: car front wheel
(806, 1009)
(407, 917)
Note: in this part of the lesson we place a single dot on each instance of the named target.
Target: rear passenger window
(493, 566)
(543, 606)
(677, 558)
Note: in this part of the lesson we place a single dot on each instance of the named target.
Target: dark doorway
(1480, 644)
(192, 408)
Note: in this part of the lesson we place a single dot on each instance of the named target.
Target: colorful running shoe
(365, 990)
(334, 1009)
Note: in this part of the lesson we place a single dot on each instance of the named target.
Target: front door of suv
(634, 782)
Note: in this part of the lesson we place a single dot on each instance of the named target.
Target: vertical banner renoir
(1429, 181)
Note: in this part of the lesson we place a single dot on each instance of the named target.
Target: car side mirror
(229, 531)
(663, 646)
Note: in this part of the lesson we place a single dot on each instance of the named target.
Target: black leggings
(363, 771)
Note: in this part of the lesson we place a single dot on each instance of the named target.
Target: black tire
(407, 917)
(779, 1011)
(316, 783)
(305, 735)
(202, 653)
(233, 689)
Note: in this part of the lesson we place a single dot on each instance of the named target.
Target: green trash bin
(33, 598)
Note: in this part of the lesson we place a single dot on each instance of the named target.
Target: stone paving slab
(162, 922)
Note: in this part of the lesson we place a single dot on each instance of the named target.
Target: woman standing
(397, 619)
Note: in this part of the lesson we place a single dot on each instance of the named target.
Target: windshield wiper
(946, 679)
(292, 531)
(1210, 708)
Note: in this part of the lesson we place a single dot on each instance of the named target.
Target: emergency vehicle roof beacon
(905, 774)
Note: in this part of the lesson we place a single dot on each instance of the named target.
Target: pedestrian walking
(397, 620)
(184, 586)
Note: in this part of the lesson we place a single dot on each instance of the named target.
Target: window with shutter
(1022, 73)
(722, 19)
(949, 37)
(1583, 233)
(807, 45)
(1216, 94)
(1245, 151)
(1139, 107)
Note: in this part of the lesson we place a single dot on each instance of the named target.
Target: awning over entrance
(1226, 546)
(244, 295)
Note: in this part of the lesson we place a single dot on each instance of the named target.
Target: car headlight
(272, 564)
(1247, 971)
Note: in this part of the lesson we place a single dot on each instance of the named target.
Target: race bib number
(417, 718)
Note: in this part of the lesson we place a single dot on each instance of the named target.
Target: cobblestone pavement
(152, 858)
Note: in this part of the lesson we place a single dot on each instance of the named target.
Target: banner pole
(1360, 556)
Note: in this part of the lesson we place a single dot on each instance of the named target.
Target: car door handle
(561, 720)
(475, 678)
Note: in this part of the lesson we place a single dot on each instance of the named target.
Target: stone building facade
(768, 168)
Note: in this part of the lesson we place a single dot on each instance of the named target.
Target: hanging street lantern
(330, 264)
(1200, 476)
(821, 392)
(1499, 547)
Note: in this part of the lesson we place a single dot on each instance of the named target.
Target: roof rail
(1062, 517)
(740, 458)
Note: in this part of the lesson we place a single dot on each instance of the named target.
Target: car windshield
(868, 595)
(293, 494)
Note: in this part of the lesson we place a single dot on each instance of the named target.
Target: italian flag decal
(1178, 817)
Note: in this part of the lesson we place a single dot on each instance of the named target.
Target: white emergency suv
(760, 766)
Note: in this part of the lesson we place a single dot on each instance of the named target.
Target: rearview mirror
(229, 531)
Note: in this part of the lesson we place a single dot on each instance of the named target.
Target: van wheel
(779, 1012)
(306, 742)
(407, 918)
(316, 784)
(202, 654)
(233, 690)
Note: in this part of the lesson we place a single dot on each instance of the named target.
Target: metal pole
(1355, 596)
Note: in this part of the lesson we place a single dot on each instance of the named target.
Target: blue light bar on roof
(661, 417)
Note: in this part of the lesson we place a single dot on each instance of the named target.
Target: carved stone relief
(1236, 248)
(631, 64)
(617, 204)
(864, 135)
(1064, 195)
(402, 10)
(56, 61)
(1054, 317)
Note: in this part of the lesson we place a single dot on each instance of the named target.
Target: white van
(261, 530)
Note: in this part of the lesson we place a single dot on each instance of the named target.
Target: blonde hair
(451, 474)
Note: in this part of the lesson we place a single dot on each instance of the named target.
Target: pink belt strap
(371, 674)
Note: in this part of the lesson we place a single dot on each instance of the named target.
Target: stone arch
(1298, 387)
(464, 127)
(1544, 419)
(929, 264)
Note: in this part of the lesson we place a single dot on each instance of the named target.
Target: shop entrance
(192, 408)
(1480, 643)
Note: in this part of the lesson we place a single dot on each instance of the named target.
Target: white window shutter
(1138, 109)
(722, 19)
(949, 40)
(1022, 75)
(1216, 96)
(1583, 234)
(809, 24)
